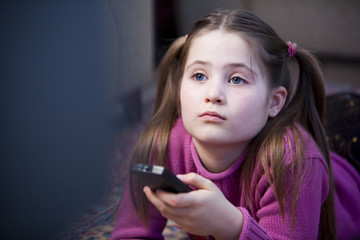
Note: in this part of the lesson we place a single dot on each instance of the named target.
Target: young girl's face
(224, 96)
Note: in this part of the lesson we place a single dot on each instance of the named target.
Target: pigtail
(311, 94)
(152, 143)
(168, 72)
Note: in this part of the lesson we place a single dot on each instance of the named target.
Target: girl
(251, 143)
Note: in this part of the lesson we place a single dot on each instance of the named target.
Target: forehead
(219, 47)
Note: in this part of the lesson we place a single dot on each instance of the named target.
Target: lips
(212, 115)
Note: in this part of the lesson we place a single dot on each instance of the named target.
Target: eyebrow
(232, 65)
(197, 62)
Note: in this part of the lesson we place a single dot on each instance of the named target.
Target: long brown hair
(306, 107)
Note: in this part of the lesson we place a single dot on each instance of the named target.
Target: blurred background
(74, 74)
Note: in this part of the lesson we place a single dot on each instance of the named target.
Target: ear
(277, 101)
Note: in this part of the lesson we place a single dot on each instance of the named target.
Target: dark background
(55, 115)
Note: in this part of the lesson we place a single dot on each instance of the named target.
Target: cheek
(181, 96)
(183, 99)
(188, 104)
(251, 109)
(185, 105)
(186, 95)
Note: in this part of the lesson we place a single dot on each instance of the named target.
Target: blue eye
(237, 80)
(199, 77)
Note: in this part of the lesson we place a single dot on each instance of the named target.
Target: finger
(175, 200)
(197, 181)
(153, 198)
(166, 210)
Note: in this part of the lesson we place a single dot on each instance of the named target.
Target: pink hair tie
(291, 49)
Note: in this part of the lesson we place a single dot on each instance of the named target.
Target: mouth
(212, 116)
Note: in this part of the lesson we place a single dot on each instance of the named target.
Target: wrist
(232, 226)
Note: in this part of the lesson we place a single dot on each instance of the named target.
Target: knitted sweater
(262, 220)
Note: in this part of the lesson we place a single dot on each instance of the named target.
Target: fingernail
(146, 189)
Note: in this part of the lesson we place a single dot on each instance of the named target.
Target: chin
(212, 140)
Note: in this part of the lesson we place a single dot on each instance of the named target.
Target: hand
(202, 212)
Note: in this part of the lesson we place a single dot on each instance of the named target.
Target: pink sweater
(262, 220)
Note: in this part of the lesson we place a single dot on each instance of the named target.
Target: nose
(215, 93)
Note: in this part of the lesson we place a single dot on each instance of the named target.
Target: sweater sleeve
(251, 229)
(266, 222)
(129, 226)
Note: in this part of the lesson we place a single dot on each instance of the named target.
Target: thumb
(197, 181)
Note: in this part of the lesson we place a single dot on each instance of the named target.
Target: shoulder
(313, 165)
(312, 161)
(298, 139)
